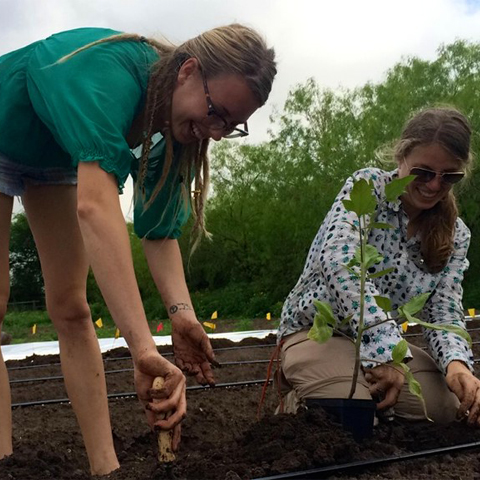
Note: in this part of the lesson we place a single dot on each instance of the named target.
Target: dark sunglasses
(424, 175)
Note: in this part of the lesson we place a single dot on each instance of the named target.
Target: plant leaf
(461, 332)
(346, 320)
(349, 205)
(415, 304)
(323, 322)
(324, 313)
(414, 387)
(409, 318)
(384, 303)
(371, 256)
(396, 187)
(358, 255)
(381, 273)
(352, 263)
(362, 201)
(399, 351)
(320, 333)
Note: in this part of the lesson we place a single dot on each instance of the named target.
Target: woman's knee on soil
(311, 359)
(444, 410)
(441, 404)
(321, 370)
(69, 313)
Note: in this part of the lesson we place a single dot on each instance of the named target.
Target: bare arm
(108, 248)
(193, 351)
(106, 241)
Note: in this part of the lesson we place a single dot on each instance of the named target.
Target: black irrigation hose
(122, 370)
(33, 380)
(53, 401)
(223, 349)
(167, 354)
(60, 377)
(317, 473)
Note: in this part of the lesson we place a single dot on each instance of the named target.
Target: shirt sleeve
(445, 306)
(339, 244)
(89, 101)
(168, 213)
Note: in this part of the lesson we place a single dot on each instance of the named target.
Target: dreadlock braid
(232, 49)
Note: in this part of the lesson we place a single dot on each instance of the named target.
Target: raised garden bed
(222, 438)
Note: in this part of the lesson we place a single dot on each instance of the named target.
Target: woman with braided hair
(72, 109)
(424, 252)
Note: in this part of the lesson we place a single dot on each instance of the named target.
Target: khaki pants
(313, 370)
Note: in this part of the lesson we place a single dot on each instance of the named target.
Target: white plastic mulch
(23, 350)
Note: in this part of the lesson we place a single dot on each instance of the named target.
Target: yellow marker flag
(210, 325)
(214, 315)
(34, 329)
(99, 323)
(117, 333)
(269, 317)
(404, 326)
(471, 312)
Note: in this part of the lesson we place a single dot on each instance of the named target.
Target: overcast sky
(338, 42)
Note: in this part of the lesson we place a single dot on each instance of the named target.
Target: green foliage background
(270, 199)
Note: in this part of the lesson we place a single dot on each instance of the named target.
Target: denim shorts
(14, 177)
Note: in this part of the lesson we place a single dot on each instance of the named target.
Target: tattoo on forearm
(179, 306)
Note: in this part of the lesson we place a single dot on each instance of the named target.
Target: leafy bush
(241, 300)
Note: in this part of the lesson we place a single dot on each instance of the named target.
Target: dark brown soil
(222, 438)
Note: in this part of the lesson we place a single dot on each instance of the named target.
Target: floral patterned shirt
(325, 278)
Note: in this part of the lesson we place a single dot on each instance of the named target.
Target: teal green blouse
(81, 110)
(165, 222)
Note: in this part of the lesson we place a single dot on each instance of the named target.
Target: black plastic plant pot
(354, 415)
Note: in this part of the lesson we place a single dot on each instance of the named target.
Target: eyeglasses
(215, 121)
(424, 175)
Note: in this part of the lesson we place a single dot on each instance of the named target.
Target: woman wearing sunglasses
(427, 247)
(72, 108)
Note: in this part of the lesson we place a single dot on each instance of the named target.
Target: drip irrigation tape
(193, 388)
(32, 380)
(167, 354)
(28, 367)
(325, 472)
(60, 377)
(222, 349)
(122, 370)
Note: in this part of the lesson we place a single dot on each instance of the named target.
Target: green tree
(25, 272)
(269, 199)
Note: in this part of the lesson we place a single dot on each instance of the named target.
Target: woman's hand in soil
(191, 346)
(466, 387)
(386, 383)
(192, 349)
(170, 400)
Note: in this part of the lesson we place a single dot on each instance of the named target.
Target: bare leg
(6, 204)
(51, 211)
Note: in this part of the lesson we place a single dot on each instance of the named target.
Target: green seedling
(363, 203)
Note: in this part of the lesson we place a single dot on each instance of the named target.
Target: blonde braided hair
(232, 49)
